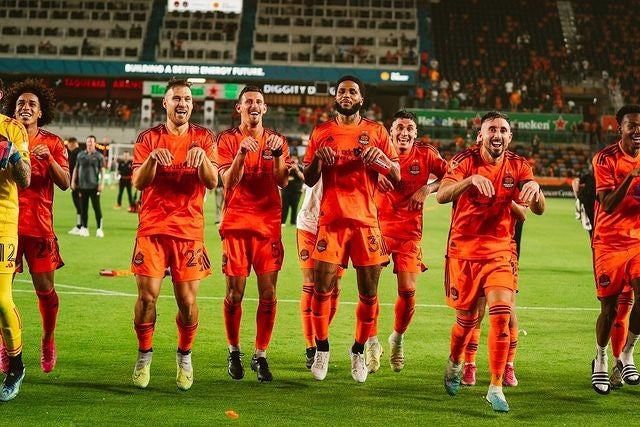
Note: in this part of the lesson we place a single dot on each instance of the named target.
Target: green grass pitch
(91, 384)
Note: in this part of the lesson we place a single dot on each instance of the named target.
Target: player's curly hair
(626, 109)
(46, 97)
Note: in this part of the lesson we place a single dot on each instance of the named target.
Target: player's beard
(346, 111)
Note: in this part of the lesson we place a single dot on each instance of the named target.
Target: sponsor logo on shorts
(363, 139)
(604, 280)
(224, 259)
(453, 294)
(321, 246)
(304, 254)
(508, 181)
(267, 154)
(374, 245)
(138, 259)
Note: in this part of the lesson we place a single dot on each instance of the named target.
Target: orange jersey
(254, 204)
(36, 201)
(619, 229)
(349, 186)
(173, 203)
(393, 206)
(482, 227)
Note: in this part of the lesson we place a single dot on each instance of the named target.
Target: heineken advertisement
(519, 121)
(198, 91)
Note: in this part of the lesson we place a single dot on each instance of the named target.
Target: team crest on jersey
(321, 246)
(138, 259)
(415, 169)
(508, 182)
(267, 154)
(604, 280)
(363, 139)
(304, 254)
(453, 294)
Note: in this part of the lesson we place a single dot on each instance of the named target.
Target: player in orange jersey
(616, 244)
(33, 104)
(348, 153)
(15, 172)
(482, 182)
(254, 162)
(400, 214)
(173, 165)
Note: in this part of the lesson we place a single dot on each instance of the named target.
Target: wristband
(13, 159)
(276, 153)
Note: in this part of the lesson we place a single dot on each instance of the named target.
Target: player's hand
(327, 155)
(162, 156)
(248, 144)
(530, 192)
(275, 142)
(416, 202)
(8, 153)
(195, 157)
(384, 184)
(371, 154)
(483, 184)
(41, 152)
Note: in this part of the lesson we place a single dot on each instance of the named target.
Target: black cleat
(260, 366)
(311, 355)
(236, 370)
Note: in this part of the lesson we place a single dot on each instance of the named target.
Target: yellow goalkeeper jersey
(13, 131)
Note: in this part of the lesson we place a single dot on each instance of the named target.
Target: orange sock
(460, 335)
(144, 332)
(365, 315)
(265, 318)
(305, 314)
(513, 343)
(404, 310)
(186, 334)
(498, 339)
(621, 324)
(232, 317)
(335, 297)
(374, 325)
(48, 304)
(321, 309)
(472, 346)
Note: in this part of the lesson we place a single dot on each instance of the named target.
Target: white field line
(79, 290)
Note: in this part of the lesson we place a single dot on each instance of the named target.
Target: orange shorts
(241, 251)
(406, 255)
(187, 259)
(306, 242)
(42, 254)
(364, 245)
(466, 280)
(614, 270)
(8, 250)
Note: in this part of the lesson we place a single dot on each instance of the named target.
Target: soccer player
(254, 162)
(348, 153)
(33, 105)
(88, 179)
(15, 172)
(616, 244)
(400, 214)
(173, 165)
(306, 230)
(482, 182)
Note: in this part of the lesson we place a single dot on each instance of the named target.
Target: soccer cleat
(75, 231)
(184, 373)
(359, 370)
(48, 356)
(84, 232)
(11, 385)
(509, 377)
(469, 374)
(452, 377)
(373, 352)
(235, 369)
(396, 360)
(117, 206)
(4, 359)
(320, 365)
(616, 376)
(142, 370)
(600, 380)
(497, 400)
(260, 366)
(99, 232)
(311, 355)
